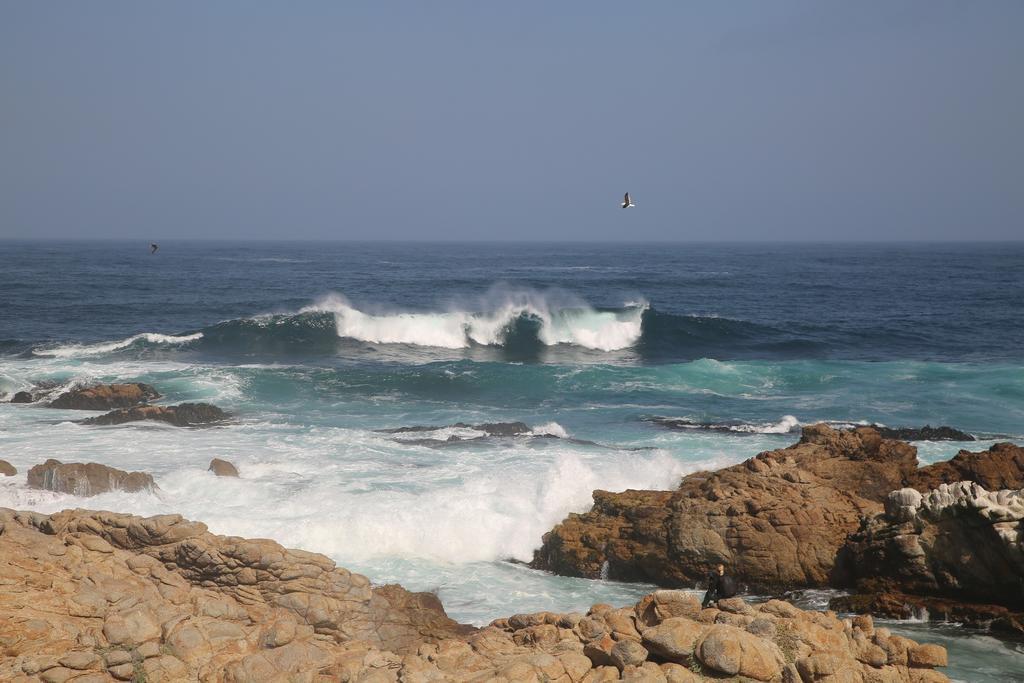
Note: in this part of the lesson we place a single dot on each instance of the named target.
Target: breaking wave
(520, 324)
(146, 339)
(456, 329)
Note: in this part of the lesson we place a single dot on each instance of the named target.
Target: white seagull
(627, 202)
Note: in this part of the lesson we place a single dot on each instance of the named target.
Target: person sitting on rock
(720, 586)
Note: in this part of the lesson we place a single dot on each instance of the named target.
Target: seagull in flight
(627, 202)
(153, 247)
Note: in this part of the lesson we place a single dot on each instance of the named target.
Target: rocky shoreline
(163, 599)
(96, 596)
(840, 509)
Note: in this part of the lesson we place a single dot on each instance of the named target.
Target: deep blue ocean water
(314, 346)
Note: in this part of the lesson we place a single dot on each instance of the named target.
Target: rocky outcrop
(93, 596)
(223, 468)
(7, 469)
(105, 397)
(926, 433)
(86, 479)
(958, 542)
(777, 520)
(182, 415)
(789, 424)
(1000, 467)
(22, 397)
(893, 605)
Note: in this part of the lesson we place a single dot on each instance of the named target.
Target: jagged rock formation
(1000, 467)
(86, 479)
(105, 397)
(959, 543)
(182, 415)
(94, 596)
(926, 433)
(223, 468)
(777, 520)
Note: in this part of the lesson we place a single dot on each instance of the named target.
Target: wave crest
(579, 325)
(138, 340)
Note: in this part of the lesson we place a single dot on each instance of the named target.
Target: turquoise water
(313, 348)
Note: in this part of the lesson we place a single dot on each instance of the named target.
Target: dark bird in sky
(627, 202)
(154, 247)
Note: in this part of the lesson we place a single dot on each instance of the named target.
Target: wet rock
(223, 468)
(105, 397)
(86, 479)
(22, 397)
(926, 433)
(777, 520)
(7, 469)
(182, 415)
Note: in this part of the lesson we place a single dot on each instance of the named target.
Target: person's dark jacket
(720, 586)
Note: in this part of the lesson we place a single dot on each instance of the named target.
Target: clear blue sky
(520, 120)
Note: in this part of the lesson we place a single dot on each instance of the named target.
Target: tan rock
(674, 639)
(7, 469)
(628, 653)
(778, 519)
(86, 479)
(731, 651)
(223, 468)
(927, 655)
(105, 397)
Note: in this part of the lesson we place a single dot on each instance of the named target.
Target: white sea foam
(80, 350)
(787, 424)
(579, 325)
(353, 494)
(550, 429)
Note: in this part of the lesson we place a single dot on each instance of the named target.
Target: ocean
(321, 350)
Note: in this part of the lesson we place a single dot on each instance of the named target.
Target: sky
(740, 120)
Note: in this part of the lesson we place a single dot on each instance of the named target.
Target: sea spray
(454, 329)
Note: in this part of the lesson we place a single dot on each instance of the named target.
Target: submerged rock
(182, 415)
(7, 469)
(223, 468)
(777, 520)
(104, 595)
(926, 433)
(105, 397)
(488, 428)
(86, 479)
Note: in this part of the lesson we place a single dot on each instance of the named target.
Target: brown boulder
(182, 415)
(729, 650)
(777, 520)
(223, 468)
(7, 469)
(1000, 467)
(105, 397)
(86, 479)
